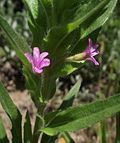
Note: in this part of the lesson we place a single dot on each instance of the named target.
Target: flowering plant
(62, 41)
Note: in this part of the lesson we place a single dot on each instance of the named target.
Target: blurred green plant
(15, 14)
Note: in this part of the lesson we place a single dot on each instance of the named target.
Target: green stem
(39, 123)
(117, 90)
(103, 132)
(117, 128)
(36, 135)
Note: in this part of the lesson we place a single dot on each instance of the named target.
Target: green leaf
(90, 11)
(84, 116)
(67, 137)
(39, 123)
(96, 22)
(48, 139)
(27, 129)
(13, 114)
(49, 82)
(33, 83)
(48, 86)
(68, 100)
(17, 42)
(3, 136)
(50, 116)
(117, 140)
(38, 19)
(103, 132)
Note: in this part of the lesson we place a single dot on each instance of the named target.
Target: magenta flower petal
(36, 56)
(36, 70)
(45, 63)
(43, 55)
(38, 60)
(29, 57)
(91, 47)
(94, 53)
(90, 42)
(36, 52)
(93, 60)
(91, 51)
(96, 46)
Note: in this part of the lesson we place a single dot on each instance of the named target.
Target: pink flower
(38, 60)
(91, 51)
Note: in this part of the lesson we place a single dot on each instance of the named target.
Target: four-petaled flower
(91, 51)
(38, 60)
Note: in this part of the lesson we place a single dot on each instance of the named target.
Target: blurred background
(96, 82)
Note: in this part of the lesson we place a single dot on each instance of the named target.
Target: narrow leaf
(27, 129)
(96, 22)
(50, 116)
(96, 9)
(17, 42)
(38, 19)
(33, 83)
(68, 100)
(13, 114)
(101, 19)
(39, 123)
(117, 128)
(84, 116)
(3, 136)
(48, 139)
(103, 132)
(67, 137)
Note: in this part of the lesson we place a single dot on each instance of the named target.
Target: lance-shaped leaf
(95, 23)
(66, 136)
(84, 116)
(3, 136)
(99, 21)
(33, 83)
(27, 129)
(48, 139)
(13, 114)
(48, 86)
(39, 20)
(117, 140)
(17, 42)
(68, 100)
